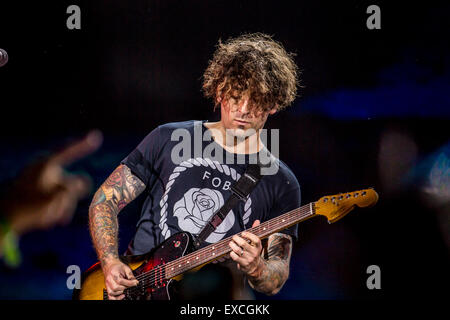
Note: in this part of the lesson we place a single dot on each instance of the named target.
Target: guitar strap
(239, 191)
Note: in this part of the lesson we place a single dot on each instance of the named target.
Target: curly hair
(253, 65)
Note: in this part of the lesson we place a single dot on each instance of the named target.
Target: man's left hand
(246, 251)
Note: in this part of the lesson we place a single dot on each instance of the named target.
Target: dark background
(373, 112)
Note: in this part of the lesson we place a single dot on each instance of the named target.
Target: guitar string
(156, 273)
(274, 222)
(152, 275)
(157, 277)
(269, 224)
(207, 250)
(206, 253)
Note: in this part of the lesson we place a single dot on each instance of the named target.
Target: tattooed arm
(273, 269)
(115, 193)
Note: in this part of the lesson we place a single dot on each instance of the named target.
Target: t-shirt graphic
(197, 204)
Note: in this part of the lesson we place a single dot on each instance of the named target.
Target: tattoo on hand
(274, 268)
(116, 192)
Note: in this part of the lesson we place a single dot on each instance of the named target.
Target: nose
(243, 106)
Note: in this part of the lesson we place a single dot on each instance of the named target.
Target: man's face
(241, 121)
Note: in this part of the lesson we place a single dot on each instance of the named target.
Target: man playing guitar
(250, 77)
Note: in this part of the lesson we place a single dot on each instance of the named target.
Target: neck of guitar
(221, 248)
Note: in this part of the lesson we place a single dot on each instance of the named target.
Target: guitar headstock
(336, 206)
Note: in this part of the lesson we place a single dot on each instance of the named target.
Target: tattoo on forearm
(274, 269)
(116, 192)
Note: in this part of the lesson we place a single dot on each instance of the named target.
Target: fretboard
(221, 248)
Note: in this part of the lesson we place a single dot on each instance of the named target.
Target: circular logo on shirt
(199, 201)
(196, 207)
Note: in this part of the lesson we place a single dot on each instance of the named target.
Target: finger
(61, 208)
(113, 285)
(64, 194)
(49, 178)
(236, 258)
(236, 249)
(127, 283)
(127, 278)
(67, 207)
(52, 212)
(73, 189)
(242, 243)
(117, 289)
(256, 223)
(111, 297)
(250, 236)
(242, 260)
(79, 185)
(112, 292)
(130, 275)
(253, 238)
(78, 149)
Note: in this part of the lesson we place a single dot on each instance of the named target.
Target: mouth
(241, 122)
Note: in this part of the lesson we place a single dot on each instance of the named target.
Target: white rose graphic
(195, 208)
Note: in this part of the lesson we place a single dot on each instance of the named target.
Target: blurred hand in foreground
(44, 195)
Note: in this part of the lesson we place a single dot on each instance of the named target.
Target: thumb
(129, 274)
(256, 223)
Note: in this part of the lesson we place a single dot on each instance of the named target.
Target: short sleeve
(141, 160)
(289, 200)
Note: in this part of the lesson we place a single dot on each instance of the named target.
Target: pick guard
(173, 248)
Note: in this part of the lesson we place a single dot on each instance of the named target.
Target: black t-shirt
(183, 194)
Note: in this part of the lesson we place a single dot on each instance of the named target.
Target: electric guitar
(157, 269)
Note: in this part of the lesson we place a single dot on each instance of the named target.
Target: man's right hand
(118, 277)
